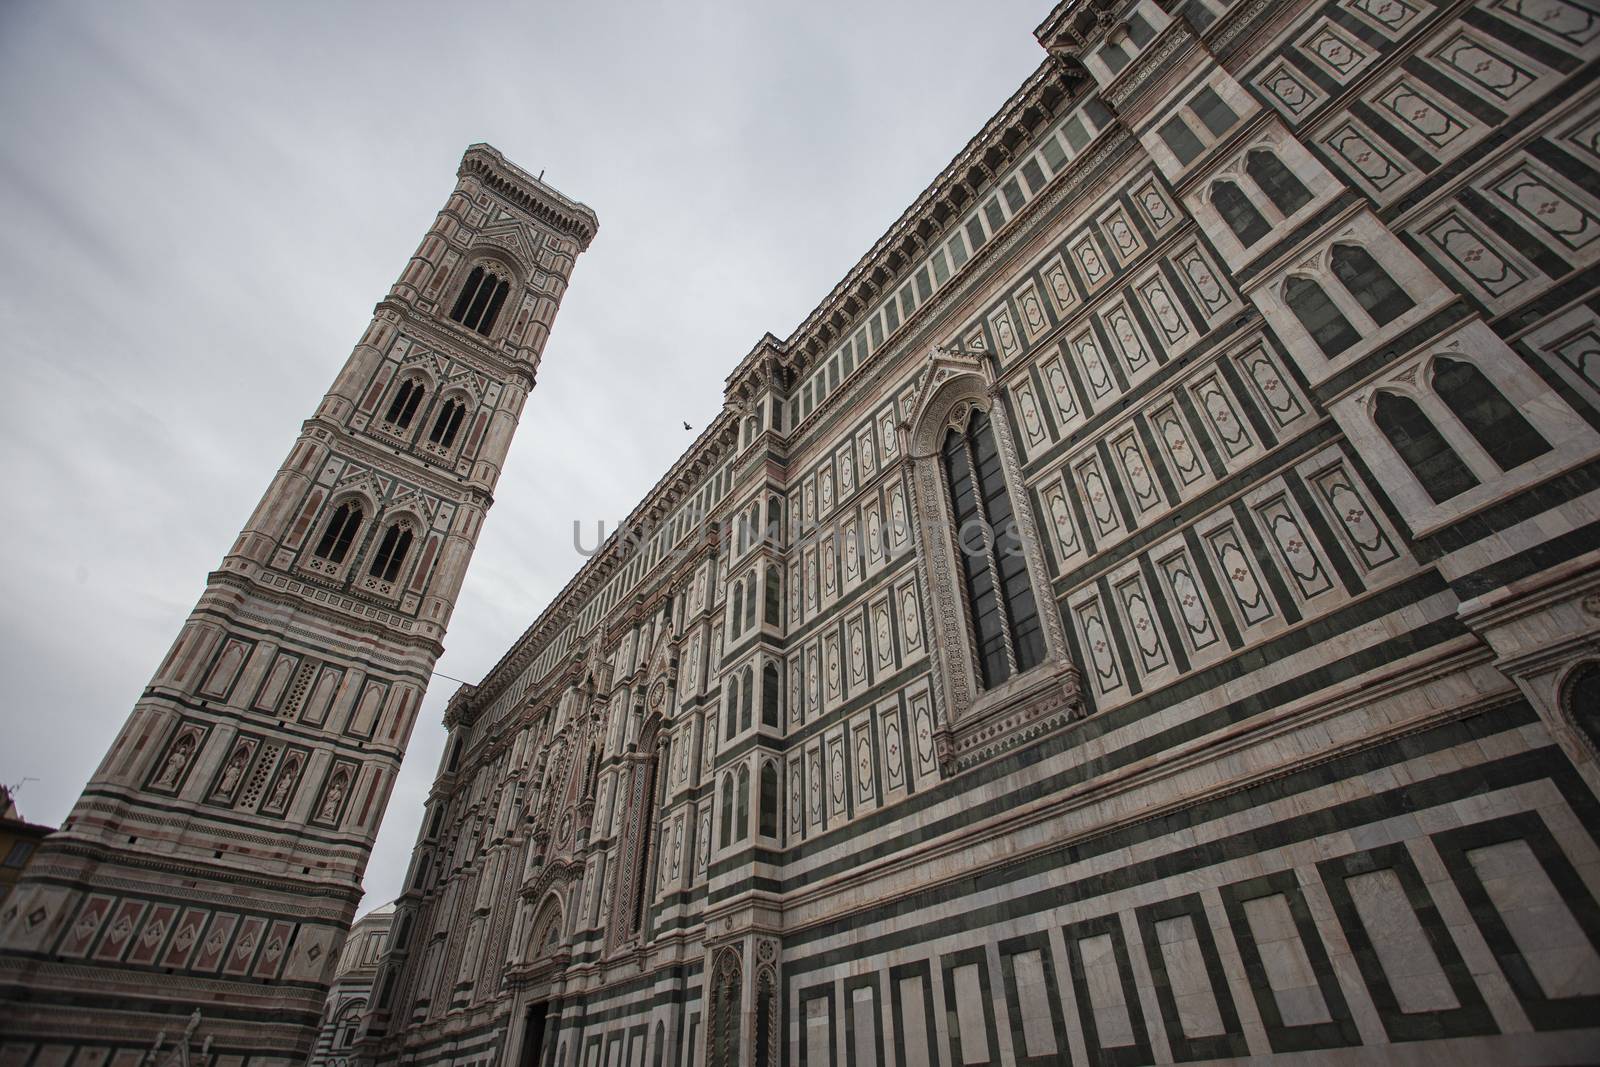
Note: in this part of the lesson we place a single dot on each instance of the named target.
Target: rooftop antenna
(541, 174)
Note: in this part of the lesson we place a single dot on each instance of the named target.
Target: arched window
(1287, 192)
(391, 553)
(742, 799)
(738, 608)
(1239, 213)
(479, 303)
(1004, 617)
(774, 605)
(769, 694)
(727, 811)
(769, 799)
(1322, 319)
(766, 1020)
(732, 726)
(1430, 457)
(747, 698)
(1500, 428)
(447, 423)
(404, 405)
(1369, 283)
(1581, 701)
(725, 1016)
(335, 543)
(750, 600)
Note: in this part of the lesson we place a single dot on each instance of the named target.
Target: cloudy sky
(203, 202)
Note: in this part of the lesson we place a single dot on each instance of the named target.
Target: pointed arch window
(732, 725)
(769, 694)
(481, 298)
(727, 811)
(769, 799)
(1380, 296)
(341, 531)
(1286, 191)
(391, 554)
(1319, 315)
(447, 424)
(1247, 224)
(742, 800)
(747, 697)
(1501, 429)
(750, 601)
(774, 608)
(738, 608)
(1432, 461)
(404, 405)
(1003, 614)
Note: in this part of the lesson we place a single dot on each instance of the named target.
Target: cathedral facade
(1147, 612)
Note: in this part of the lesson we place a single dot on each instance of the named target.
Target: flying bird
(686, 426)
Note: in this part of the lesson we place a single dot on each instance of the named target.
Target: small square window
(1076, 135)
(1217, 115)
(992, 212)
(1140, 30)
(924, 286)
(1181, 140)
(1033, 175)
(891, 315)
(975, 231)
(958, 250)
(941, 267)
(1053, 155)
(877, 331)
(1114, 57)
(1014, 197)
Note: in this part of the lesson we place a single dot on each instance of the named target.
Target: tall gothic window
(738, 608)
(769, 694)
(404, 405)
(1379, 294)
(742, 800)
(391, 553)
(727, 811)
(732, 725)
(750, 601)
(1003, 614)
(1247, 224)
(1321, 318)
(447, 423)
(1287, 192)
(722, 1040)
(335, 543)
(479, 303)
(747, 697)
(774, 609)
(769, 799)
(1500, 428)
(1430, 457)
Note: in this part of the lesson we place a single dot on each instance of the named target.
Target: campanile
(201, 887)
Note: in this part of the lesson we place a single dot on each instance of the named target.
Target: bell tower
(202, 885)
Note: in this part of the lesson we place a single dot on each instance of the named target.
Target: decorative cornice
(569, 217)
